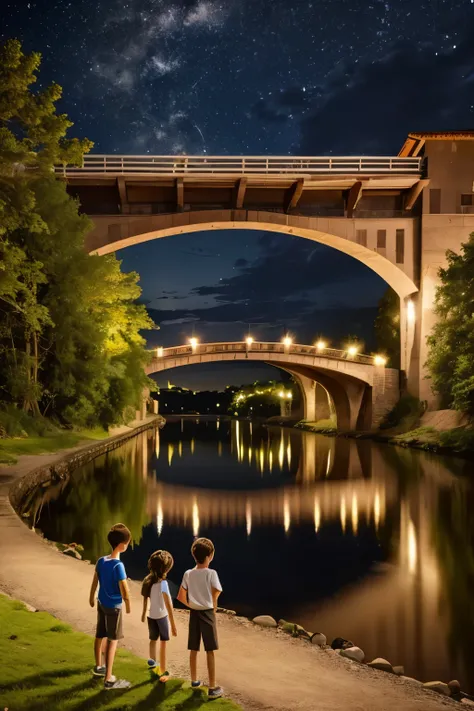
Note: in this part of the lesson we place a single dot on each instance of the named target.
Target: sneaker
(216, 693)
(151, 664)
(196, 684)
(99, 671)
(114, 683)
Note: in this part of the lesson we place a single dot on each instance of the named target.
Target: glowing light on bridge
(159, 352)
(352, 351)
(249, 341)
(411, 314)
(380, 360)
(193, 342)
(287, 341)
(281, 394)
(262, 459)
(321, 345)
(195, 518)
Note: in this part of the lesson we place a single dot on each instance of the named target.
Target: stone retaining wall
(60, 470)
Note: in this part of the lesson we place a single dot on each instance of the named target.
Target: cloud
(205, 14)
(160, 66)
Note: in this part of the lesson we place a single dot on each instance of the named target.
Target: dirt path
(258, 668)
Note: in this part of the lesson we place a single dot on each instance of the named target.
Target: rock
(354, 653)
(341, 643)
(439, 686)
(319, 639)
(30, 608)
(414, 681)
(399, 670)
(265, 621)
(224, 611)
(381, 664)
(72, 553)
(454, 686)
(300, 631)
(13, 636)
(467, 702)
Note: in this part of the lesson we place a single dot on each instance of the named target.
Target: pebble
(319, 639)
(354, 653)
(439, 686)
(72, 553)
(381, 664)
(455, 686)
(265, 621)
(399, 670)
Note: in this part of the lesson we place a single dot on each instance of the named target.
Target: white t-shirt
(157, 602)
(199, 583)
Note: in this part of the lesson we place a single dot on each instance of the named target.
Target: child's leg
(193, 665)
(163, 644)
(99, 650)
(153, 649)
(211, 669)
(109, 657)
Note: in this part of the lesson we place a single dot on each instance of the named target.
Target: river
(365, 541)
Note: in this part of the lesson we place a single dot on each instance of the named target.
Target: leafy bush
(17, 423)
(461, 439)
(406, 412)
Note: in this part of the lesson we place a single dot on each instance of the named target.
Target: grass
(47, 666)
(13, 447)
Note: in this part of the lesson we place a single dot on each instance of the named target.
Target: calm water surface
(368, 542)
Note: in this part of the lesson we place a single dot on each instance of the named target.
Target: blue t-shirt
(110, 571)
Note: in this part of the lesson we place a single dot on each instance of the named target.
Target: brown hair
(159, 565)
(201, 548)
(119, 533)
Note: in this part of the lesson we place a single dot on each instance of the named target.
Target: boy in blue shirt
(111, 578)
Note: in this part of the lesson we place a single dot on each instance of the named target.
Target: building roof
(415, 141)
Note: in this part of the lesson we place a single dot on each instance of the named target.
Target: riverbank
(259, 668)
(431, 432)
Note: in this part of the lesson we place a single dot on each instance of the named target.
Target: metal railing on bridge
(250, 346)
(241, 165)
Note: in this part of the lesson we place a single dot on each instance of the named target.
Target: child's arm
(183, 596)
(215, 596)
(145, 605)
(125, 595)
(169, 607)
(95, 583)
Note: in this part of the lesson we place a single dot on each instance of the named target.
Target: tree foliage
(70, 343)
(451, 343)
(387, 327)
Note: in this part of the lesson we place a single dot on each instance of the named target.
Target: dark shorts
(202, 623)
(109, 622)
(158, 629)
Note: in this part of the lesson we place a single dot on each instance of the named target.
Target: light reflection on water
(355, 539)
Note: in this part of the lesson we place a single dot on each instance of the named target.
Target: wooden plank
(355, 194)
(240, 188)
(413, 194)
(122, 191)
(179, 194)
(294, 194)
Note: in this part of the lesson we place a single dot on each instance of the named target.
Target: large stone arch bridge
(361, 388)
(379, 210)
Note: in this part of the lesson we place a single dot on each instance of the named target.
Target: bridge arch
(361, 392)
(113, 232)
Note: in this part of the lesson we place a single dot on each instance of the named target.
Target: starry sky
(252, 77)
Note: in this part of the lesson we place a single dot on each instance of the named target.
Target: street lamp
(249, 341)
(193, 343)
(411, 312)
(380, 360)
(159, 352)
(321, 345)
(287, 341)
(352, 351)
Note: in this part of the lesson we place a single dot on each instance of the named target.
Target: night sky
(346, 77)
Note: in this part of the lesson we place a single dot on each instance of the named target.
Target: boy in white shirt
(200, 590)
(155, 588)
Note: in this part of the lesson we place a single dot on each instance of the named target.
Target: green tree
(387, 327)
(70, 343)
(451, 343)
